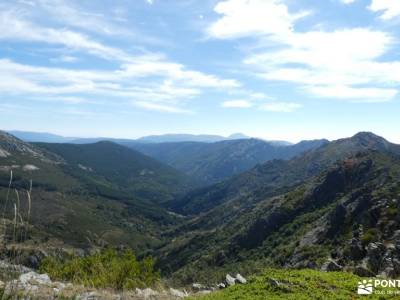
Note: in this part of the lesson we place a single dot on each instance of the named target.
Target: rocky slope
(336, 203)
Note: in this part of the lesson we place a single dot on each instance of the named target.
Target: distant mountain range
(213, 162)
(173, 138)
(29, 136)
(206, 158)
(44, 137)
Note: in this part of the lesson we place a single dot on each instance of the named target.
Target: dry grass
(14, 229)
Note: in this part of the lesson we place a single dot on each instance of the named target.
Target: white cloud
(152, 66)
(64, 12)
(359, 94)
(389, 8)
(285, 107)
(149, 2)
(272, 105)
(317, 61)
(347, 1)
(160, 107)
(237, 104)
(328, 60)
(242, 18)
(15, 28)
(170, 89)
(65, 58)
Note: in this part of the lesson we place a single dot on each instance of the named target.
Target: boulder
(331, 266)
(198, 286)
(33, 278)
(273, 282)
(221, 285)
(230, 280)
(389, 272)
(178, 293)
(362, 271)
(146, 293)
(240, 279)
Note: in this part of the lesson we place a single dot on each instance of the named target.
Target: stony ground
(23, 283)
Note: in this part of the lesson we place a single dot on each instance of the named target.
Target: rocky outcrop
(10, 145)
(4, 153)
(230, 280)
(356, 250)
(331, 266)
(178, 293)
(31, 285)
(240, 279)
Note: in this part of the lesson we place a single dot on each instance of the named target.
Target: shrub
(108, 268)
(371, 235)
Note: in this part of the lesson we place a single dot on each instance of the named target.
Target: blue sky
(275, 69)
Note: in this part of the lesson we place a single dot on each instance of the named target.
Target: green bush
(107, 269)
(371, 235)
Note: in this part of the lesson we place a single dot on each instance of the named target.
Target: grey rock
(273, 282)
(331, 266)
(389, 272)
(89, 296)
(221, 285)
(375, 255)
(198, 286)
(362, 271)
(146, 293)
(178, 293)
(33, 278)
(357, 251)
(230, 280)
(396, 265)
(396, 235)
(240, 279)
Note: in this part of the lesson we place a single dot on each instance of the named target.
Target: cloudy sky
(276, 69)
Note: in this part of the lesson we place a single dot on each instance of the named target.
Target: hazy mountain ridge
(213, 162)
(44, 137)
(202, 138)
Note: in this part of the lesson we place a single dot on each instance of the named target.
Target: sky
(274, 69)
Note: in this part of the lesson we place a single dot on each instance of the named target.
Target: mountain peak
(370, 140)
(367, 135)
(237, 136)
